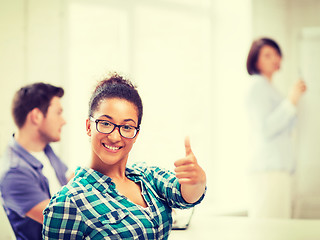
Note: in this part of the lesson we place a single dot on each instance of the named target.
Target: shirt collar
(24, 153)
(99, 180)
(132, 171)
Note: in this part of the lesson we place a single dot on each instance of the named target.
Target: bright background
(187, 58)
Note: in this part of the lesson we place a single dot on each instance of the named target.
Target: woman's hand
(191, 176)
(296, 91)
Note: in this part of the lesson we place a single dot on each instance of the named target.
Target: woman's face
(268, 61)
(112, 148)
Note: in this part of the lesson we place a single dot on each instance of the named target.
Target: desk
(204, 226)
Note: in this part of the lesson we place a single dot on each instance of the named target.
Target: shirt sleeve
(270, 117)
(62, 220)
(168, 187)
(21, 190)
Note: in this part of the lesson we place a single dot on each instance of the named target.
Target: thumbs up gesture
(191, 176)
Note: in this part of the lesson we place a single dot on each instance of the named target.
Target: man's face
(50, 128)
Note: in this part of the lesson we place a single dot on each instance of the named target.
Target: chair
(6, 231)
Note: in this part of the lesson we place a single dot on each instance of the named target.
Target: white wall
(31, 51)
(271, 19)
(231, 41)
(12, 61)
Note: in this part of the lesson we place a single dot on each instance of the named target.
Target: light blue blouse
(271, 118)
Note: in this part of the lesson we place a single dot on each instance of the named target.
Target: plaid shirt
(90, 207)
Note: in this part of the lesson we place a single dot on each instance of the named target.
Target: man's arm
(36, 212)
(70, 175)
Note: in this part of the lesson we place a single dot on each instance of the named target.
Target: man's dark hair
(36, 95)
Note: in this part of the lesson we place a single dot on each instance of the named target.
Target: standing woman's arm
(269, 117)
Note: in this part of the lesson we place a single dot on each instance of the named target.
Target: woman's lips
(111, 148)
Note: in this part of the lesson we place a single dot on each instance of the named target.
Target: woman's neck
(268, 76)
(115, 171)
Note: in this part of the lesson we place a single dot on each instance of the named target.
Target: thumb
(187, 146)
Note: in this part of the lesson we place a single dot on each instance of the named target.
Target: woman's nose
(115, 135)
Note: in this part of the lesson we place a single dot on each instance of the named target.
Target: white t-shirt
(48, 172)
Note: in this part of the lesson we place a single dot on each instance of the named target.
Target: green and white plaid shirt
(90, 207)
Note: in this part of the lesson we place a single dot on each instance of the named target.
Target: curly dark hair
(36, 95)
(254, 53)
(116, 86)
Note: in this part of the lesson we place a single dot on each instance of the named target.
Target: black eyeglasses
(104, 126)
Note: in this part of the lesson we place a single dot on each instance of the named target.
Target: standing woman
(272, 120)
(111, 200)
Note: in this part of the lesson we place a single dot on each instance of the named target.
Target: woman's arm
(270, 117)
(296, 92)
(62, 220)
(191, 176)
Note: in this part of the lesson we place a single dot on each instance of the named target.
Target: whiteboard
(308, 138)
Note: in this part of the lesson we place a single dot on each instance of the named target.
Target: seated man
(29, 161)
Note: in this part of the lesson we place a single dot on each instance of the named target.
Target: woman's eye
(105, 124)
(127, 127)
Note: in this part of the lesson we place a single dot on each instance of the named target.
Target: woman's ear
(88, 127)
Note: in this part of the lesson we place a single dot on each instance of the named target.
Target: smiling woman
(111, 200)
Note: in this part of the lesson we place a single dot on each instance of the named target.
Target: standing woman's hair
(116, 86)
(254, 53)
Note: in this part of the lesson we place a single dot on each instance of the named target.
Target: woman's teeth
(111, 147)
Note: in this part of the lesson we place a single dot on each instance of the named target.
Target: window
(175, 52)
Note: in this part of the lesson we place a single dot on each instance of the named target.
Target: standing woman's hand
(191, 176)
(296, 91)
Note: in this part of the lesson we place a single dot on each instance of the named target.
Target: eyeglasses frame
(114, 127)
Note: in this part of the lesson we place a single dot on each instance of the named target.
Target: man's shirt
(23, 186)
(91, 207)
